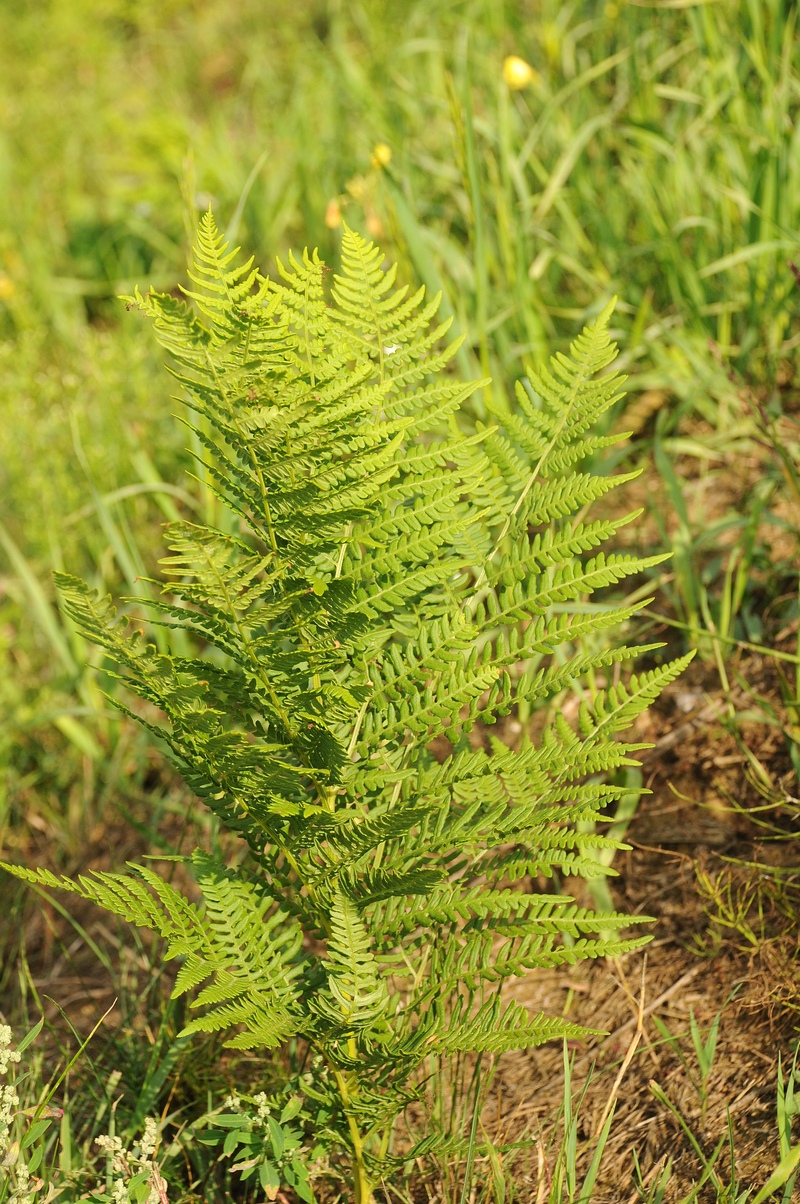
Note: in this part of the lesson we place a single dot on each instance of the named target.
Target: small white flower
(111, 1145)
(120, 1192)
(9, 1101)
(115, 1151)
(149, 1140)
(126, 1163)
(23, 1189)
(7, 1054)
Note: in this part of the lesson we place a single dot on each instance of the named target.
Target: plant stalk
(363, 1189)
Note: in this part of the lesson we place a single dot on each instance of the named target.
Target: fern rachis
(382, 579)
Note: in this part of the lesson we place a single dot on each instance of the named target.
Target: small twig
(623, 982)
(637, 1036)
(654, 848)
(683, 981)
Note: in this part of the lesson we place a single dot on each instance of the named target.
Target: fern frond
(615, 709)
(494, 1029)
(163, 910)
(356, 997)
(379, 579)
(225, 288)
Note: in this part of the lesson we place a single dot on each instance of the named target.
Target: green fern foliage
(387, 572)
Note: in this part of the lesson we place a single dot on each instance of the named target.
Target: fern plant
(385, 574)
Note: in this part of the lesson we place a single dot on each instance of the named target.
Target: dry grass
(698, 826)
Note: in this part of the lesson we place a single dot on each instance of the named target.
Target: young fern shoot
(380, 579)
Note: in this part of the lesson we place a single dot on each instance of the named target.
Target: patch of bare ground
(60, 955)
(719, 871)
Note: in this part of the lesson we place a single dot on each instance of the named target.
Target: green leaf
(276, 1137)
(782, 1173)
(357, 996)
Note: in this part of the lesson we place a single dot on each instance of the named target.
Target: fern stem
(342, 552)
(363, 1190)
(473, 1130)
(351, 748)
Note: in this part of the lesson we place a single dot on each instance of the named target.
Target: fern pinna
(387, 571)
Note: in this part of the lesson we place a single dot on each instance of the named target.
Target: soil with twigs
(715, 858)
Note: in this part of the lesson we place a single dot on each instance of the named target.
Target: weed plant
(379, 579)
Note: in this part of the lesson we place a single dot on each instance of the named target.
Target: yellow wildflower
(517, 73)
(381, 155)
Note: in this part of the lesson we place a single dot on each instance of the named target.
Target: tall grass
(655, 154)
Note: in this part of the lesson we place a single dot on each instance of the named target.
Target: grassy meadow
(648, 152)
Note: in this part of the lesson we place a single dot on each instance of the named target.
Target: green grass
(655, 155)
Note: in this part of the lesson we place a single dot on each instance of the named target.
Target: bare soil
(718, 865)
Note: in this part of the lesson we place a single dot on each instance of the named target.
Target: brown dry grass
(696, 843)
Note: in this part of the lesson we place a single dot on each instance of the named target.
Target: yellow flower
(381, 155)
(517, 73)
(333, 215)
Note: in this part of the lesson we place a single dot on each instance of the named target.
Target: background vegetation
(651, 151)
